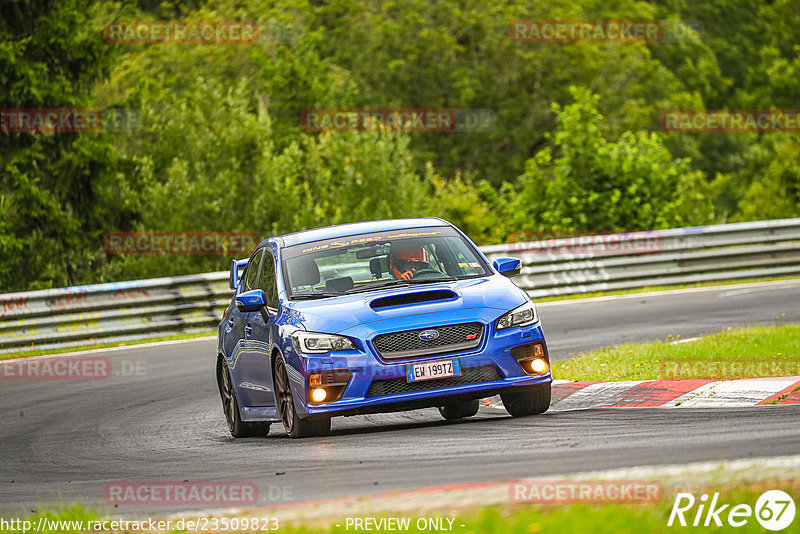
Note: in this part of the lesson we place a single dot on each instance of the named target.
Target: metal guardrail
(89, 315)
(641, 259)
(110, 313)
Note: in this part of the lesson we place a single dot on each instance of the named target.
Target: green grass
(602, 519)
(750, 352)
(650, 289)
(36, 352)
(530, 518)
(613, 518)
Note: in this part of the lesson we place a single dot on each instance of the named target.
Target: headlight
(521, 316)
(313, 343)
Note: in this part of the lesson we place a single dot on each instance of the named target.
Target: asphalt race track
(159, 418)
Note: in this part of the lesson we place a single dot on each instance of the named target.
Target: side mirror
(235, 266)
(507, 266)
(250, 301)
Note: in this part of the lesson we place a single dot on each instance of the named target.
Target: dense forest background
(217, 143)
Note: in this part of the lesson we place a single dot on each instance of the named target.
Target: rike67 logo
(774, 510)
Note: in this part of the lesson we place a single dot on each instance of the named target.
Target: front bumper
(492, 359)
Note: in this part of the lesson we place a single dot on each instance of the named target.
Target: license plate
(431, 370)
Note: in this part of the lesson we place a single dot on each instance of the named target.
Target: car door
(263, 330)
(235, 320)
(255, 376)
(237, 346)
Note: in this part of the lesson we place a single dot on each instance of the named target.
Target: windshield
(383, 259)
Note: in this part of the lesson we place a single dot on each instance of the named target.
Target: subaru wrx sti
(375, 317)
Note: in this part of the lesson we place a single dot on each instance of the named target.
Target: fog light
(539, 366)
(318, 395)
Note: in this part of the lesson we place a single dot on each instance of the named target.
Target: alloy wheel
(284, 391)
(228, 403)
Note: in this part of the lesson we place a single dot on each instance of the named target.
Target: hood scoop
(407, 299)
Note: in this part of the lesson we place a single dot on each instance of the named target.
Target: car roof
(344, 230)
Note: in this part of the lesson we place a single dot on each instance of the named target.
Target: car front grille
(408, 344)
(471, 375)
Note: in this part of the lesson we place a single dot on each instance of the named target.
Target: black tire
(294, 425)
(230, 405)
(528, 401)
(459, 410)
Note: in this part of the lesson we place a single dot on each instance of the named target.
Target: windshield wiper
(309, 296)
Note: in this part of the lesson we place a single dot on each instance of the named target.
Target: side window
(267, 282)
(251, 276)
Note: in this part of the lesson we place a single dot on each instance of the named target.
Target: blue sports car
(375, 317)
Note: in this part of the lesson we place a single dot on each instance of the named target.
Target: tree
(208, 160)
(50, 56)
(452, 54)
(591, 183)
(775, 191)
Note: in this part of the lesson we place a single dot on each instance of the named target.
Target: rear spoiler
(235, 266)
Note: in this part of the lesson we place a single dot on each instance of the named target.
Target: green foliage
(417, 53)
(474, 207)
(220, 147)
(212, 163)
(775, 194)
(591, 183)
(50, 57)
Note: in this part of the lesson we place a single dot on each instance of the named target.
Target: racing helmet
(403, 260)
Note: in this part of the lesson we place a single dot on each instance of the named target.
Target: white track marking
(601, 394)
(733, 393)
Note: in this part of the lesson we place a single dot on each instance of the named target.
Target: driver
(403, 262)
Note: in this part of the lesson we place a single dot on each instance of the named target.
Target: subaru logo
(429, 335)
